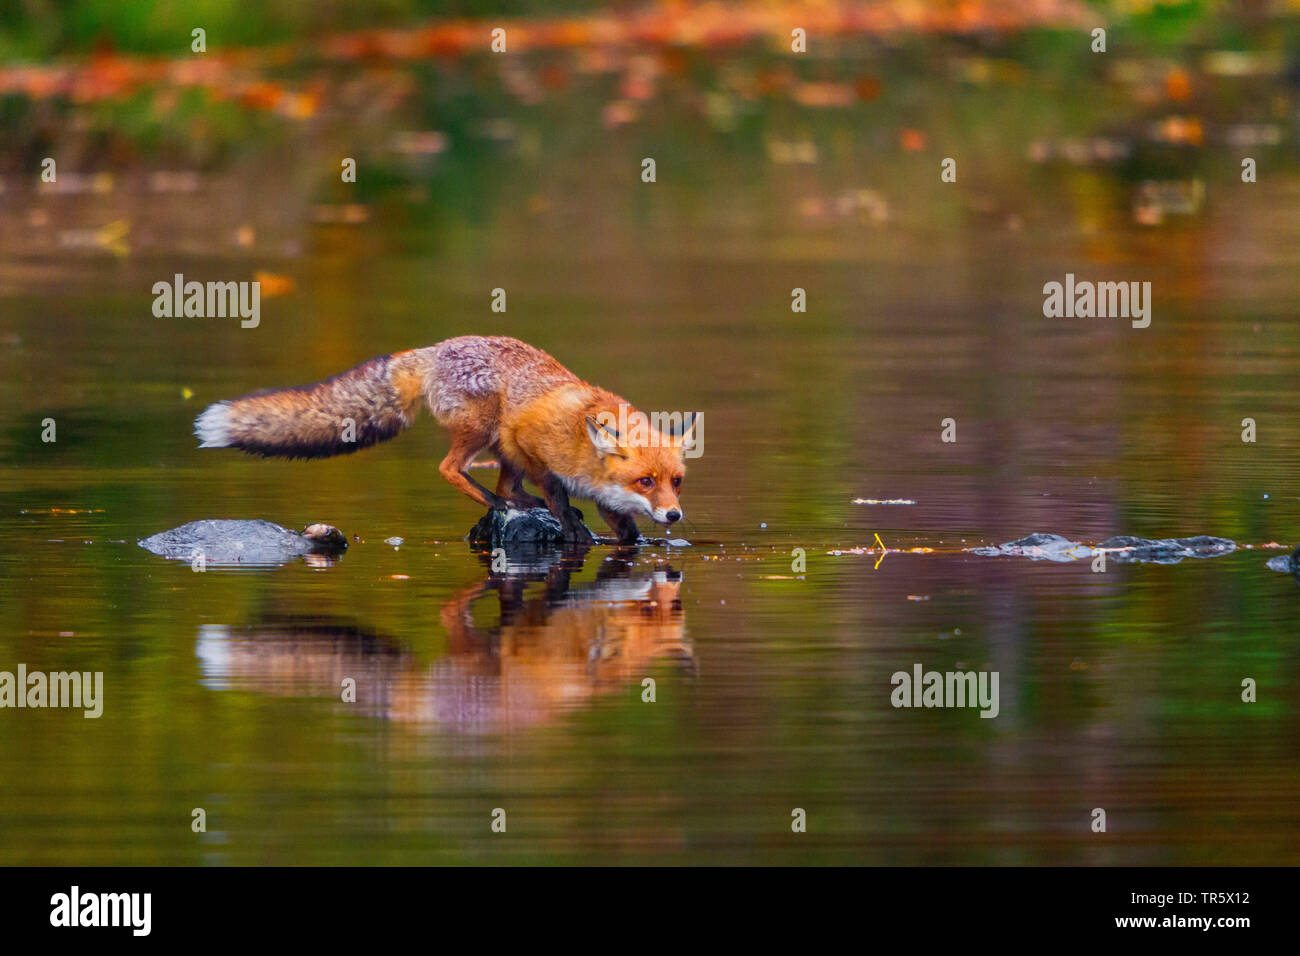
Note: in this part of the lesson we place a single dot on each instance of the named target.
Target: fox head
(640, 469)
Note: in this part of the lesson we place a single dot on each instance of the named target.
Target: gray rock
(1038, 547)
(222, 542)
(1286, 563)
(1123, 549)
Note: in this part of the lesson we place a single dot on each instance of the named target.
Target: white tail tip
(213, 426)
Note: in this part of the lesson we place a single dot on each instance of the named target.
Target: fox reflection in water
(556, 648)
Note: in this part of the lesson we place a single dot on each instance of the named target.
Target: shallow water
(476, 691)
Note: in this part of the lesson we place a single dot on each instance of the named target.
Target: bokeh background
(775, 171)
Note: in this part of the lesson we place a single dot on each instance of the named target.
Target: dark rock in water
(1124, 549)
(523, 533)
(536, 527)
(244, 542)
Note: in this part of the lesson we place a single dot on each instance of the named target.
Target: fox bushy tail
(345, 413)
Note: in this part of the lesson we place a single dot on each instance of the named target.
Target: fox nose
(672, 516)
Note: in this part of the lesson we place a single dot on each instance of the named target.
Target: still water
(524, 691)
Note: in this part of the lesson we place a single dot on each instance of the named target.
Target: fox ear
(603, 438)
(684, 430)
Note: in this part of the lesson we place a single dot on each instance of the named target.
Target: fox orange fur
(491, 393)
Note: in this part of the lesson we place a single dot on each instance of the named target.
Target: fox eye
(647, 482)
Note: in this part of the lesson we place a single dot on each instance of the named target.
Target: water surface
(523, 691)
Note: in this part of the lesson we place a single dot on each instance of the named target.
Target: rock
(535, 527)
(1287, 564)
(1167, 550)
(1039, 547)
(324, 537)
(244, 542)
(1123, 549)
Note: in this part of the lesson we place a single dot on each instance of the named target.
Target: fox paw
(575, 529)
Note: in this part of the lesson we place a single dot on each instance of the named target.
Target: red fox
(492, 393)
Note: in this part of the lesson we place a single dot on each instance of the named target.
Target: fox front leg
(623, 526)
(557, 499)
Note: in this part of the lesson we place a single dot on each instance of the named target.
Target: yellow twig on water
(113, 237)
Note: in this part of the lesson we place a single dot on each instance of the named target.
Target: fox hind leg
(510, 486)
(465, 444)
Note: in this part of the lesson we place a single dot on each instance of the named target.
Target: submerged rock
(1124, 549)
(219, 541)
